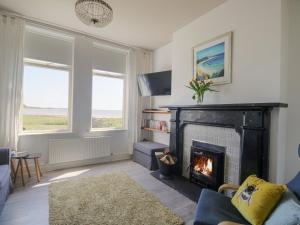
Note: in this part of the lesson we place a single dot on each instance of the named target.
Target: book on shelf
(156, 124)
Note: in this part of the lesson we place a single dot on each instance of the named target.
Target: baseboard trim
(67, 165)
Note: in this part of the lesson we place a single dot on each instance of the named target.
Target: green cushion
(256, 199)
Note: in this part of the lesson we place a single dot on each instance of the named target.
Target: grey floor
(29, 205)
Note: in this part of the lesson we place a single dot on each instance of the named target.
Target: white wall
(256, 62)
(81, 121)
(293, 82)
(162, 60)
(256, 51)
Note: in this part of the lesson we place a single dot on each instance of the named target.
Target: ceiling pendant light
(94, 12)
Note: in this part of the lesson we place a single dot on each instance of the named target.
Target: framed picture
(212, 60)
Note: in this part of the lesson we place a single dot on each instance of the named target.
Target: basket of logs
(166, 162)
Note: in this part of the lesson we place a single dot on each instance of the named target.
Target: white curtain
(140, 62)
(11, 73)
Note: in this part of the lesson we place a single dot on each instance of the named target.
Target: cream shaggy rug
(110, 199)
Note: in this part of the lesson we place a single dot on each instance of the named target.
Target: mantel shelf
(156, 111)
(240, 106)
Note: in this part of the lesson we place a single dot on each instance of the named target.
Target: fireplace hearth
(207, 164)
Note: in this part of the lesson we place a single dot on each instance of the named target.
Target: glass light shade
(94, 12)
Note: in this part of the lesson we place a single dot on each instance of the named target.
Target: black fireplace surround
(251, 121)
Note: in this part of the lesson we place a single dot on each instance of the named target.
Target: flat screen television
(155, 84)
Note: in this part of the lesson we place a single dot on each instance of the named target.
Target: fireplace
(250, 121)
(207, 164)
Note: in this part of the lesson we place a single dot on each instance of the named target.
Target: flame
(204, 165)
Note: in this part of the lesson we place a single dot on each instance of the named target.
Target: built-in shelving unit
(153, 125)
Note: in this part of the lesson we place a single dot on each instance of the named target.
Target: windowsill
(45, 133)
(93, 131)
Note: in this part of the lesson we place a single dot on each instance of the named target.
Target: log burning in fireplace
(207, 164)
(204, 165)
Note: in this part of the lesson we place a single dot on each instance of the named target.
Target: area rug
(110, 199)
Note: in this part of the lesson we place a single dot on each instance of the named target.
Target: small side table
(35, 157)
(19, 157)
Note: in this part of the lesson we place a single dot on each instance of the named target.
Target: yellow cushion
(256, 199)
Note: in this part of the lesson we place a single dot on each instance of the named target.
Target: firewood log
(172, 162)
(159, 154)
(163, 159)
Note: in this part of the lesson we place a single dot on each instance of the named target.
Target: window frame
(54, 66)
(122, 76)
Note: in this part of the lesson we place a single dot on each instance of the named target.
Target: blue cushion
(4, 156)
(214, 208)
(294, 185)
(287, 212)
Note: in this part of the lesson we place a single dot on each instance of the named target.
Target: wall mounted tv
(155, 84)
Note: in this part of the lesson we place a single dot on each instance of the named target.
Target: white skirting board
(59, 166)
(87, 162)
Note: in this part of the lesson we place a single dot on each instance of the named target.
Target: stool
(19, 156)
(35, 157)
(144, 153)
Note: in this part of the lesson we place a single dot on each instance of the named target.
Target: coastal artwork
(212, 60)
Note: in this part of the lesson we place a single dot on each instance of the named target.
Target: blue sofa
(5, 180)
(214, 208)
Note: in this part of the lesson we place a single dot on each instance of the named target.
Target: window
(45, 97)
(109, 87)
(47, 81)
(108, 100)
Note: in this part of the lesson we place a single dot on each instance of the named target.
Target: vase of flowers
(200, 87)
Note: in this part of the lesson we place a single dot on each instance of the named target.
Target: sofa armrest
(224, 187)
(4, 156)
(229, 223)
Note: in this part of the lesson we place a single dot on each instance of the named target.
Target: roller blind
(48, 46)
(109, 59)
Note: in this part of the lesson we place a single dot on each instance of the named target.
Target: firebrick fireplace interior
(207, 164)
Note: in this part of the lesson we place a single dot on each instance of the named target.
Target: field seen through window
(39, 119)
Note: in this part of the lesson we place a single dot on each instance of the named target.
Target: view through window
(45, 98)
(108, 98)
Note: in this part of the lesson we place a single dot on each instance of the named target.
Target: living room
(143, 112)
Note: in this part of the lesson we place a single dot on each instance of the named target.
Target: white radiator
(75, 149)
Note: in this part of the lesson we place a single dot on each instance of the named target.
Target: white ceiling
(142, 23)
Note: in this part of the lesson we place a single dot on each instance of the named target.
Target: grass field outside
(44, 123)
(50, 123)
(115, 123)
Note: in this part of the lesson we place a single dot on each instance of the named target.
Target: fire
(204, 165)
